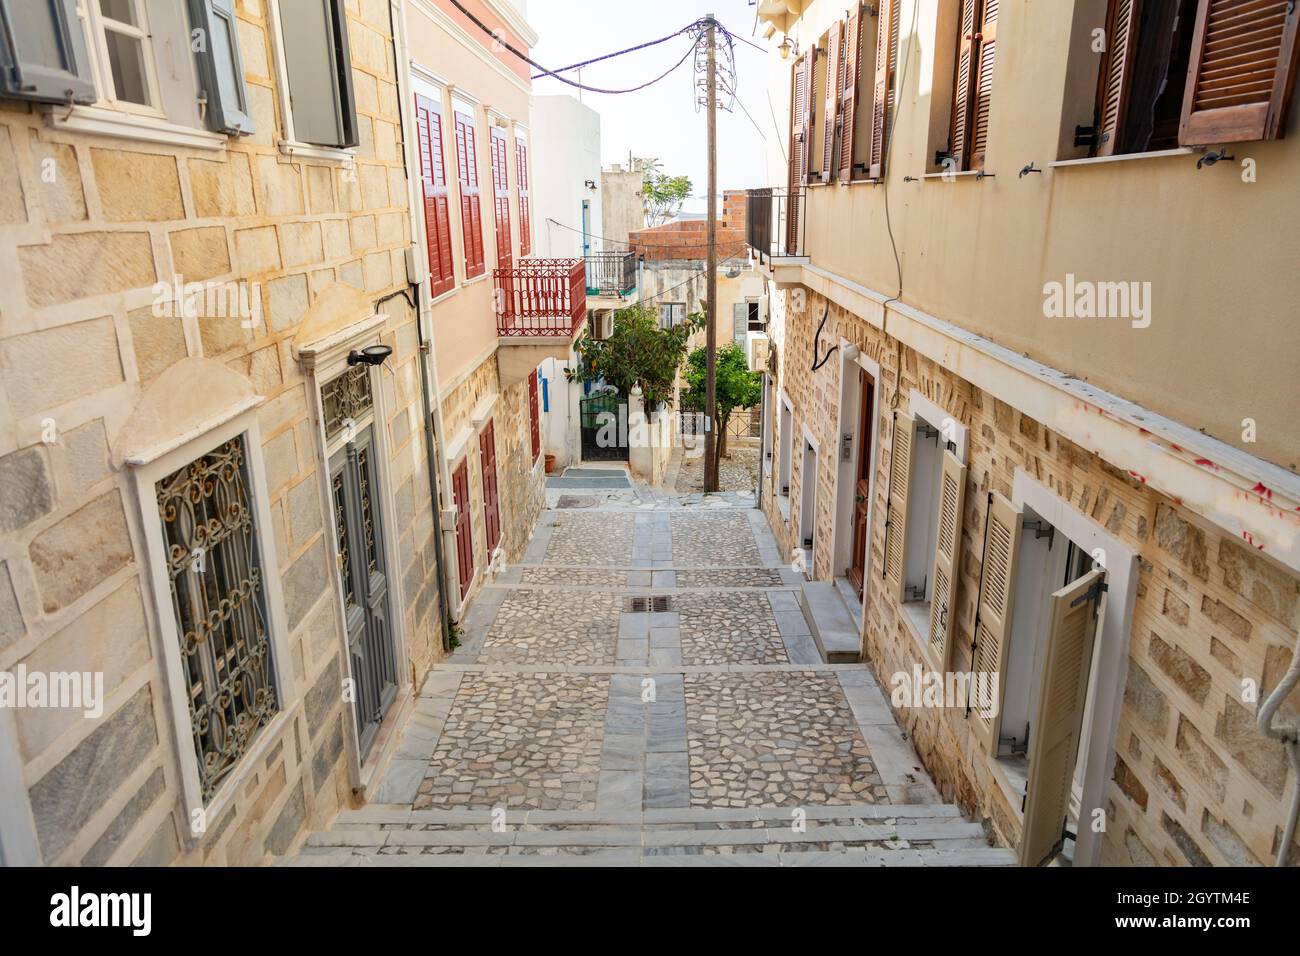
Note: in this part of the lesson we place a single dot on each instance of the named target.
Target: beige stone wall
(79, 344)
(1193, 781)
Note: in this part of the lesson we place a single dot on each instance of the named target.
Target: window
(534, 418)
(218, 596)
(754, 316)
(808, 501)
(521, 184)
(671, 314)
(471, 222)
(1192, 73)
(785, 454)
(501, 196)
(433, 178)
(972, 87)
(123, 37)
(317, 68)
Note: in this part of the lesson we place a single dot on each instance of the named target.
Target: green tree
(662, 195)
(735, 386)
(638, 353)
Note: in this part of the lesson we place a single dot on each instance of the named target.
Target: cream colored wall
(1219, 253)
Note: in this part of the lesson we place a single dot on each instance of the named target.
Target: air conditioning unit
(602, 324)
(756, 348)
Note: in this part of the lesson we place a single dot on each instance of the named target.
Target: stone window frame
(784, 452)
(144, 473)
(321, 363)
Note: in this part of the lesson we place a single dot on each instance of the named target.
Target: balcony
(541, 307)
(775, 222)
(611, 275)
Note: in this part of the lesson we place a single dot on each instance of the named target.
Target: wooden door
(862, 485)
(464, 531)
(487, 450)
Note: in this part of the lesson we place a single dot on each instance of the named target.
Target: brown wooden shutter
(1116, 76)
(437, 212)
(982, 94)
(501, 196)
(900, 479)
(1054, 734)
(947, 561)
(963, 86)
(849, 91)
(464, 528)
(525, 213)
(834, 82)
(534, 417)
(809, 110)
(882, 97)
(1242, 71)
(993, 610)
(797, 91)
(487, 449)
(471, 221)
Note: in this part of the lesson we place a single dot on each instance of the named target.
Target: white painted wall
(566, 153)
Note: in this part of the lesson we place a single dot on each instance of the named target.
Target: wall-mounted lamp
(590, 184)
(370, 355)
(786, 48)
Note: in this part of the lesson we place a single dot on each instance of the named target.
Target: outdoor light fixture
(590, 184)
(786, 47)
(370, 355)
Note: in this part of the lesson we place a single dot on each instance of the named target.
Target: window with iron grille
(218, 597)
(346, 398)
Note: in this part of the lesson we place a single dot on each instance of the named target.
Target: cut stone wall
(1193, 779)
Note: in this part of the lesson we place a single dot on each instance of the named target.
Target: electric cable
(608, 56)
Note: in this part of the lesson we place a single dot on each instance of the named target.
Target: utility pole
(711, 314)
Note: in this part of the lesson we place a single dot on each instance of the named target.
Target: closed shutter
(319, 66)
(1243, 68)
(487, 449)
(471, 222)
(437, 205)
(221, 71)
(834, 83)
(43, 53)
(464, 529)
(1116, 76)
(963, 85)
(1054, 734)
(501, 197)
(993, 610)
(534, 418)
(947, 561)
(525, 213)
(882, 96)
(809, 112)
(983, 84)
(739, 322)
(797, 145)
(900, 479)
(849, 91)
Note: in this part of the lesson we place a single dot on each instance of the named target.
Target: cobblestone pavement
(707, 691)
(737, 471)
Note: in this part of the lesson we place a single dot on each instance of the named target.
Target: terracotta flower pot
(550, 464)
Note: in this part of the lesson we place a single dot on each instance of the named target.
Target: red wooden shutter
(1242, 72)
(849, 91)
(834, 83)
(809, 110)
(437, 212)
(521, 180)
(534, 416)
(487, 449)
(962, 85)
(471, 222)
(983, 85)
(798, 88)
(1116, 73)
(501, 196)
(464, 532)
(882, 97)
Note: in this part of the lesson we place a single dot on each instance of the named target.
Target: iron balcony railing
(540, 297)
(774, 222)
(611, 273)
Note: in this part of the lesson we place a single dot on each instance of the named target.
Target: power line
(607, 56)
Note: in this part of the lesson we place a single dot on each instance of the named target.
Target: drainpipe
(439, 473)
(1290, 737)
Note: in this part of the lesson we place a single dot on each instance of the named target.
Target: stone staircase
(867, 835)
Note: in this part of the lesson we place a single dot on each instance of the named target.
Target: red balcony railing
(541, 297)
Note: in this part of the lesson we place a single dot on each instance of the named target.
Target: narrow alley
(644, 689)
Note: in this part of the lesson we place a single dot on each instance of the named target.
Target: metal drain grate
(657, 604)
(576, 501)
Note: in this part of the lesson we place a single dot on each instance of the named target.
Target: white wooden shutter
(993, 612)
(739, 322)
(900, 478)
(43, 53)
(221, 71)
(947, 561)
(319, 65)
(1054, 734)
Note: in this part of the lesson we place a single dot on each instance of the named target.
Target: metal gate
(604, 427)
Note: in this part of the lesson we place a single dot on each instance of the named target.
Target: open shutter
(834, 83)
(437, 213)
(464, 528)
(849, 91)
(882, 97)
(809, 112)
(986, 50)
(534, 419)
(993, 610)
(900, 479)
(792, 212)
(963, 86)
(1242, 72)
(1054, 736)
(521, 179)
(1116, 76)
(947, 561)
(487, 449)
(43, 53)
(319, 66)
(501, 197)
(471, 222)
(221, 71)
(739, 322)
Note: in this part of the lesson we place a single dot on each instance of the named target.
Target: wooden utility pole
(711, 463)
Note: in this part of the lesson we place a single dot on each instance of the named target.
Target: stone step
(830, 621)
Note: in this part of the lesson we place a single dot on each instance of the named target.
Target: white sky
(659, 121)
